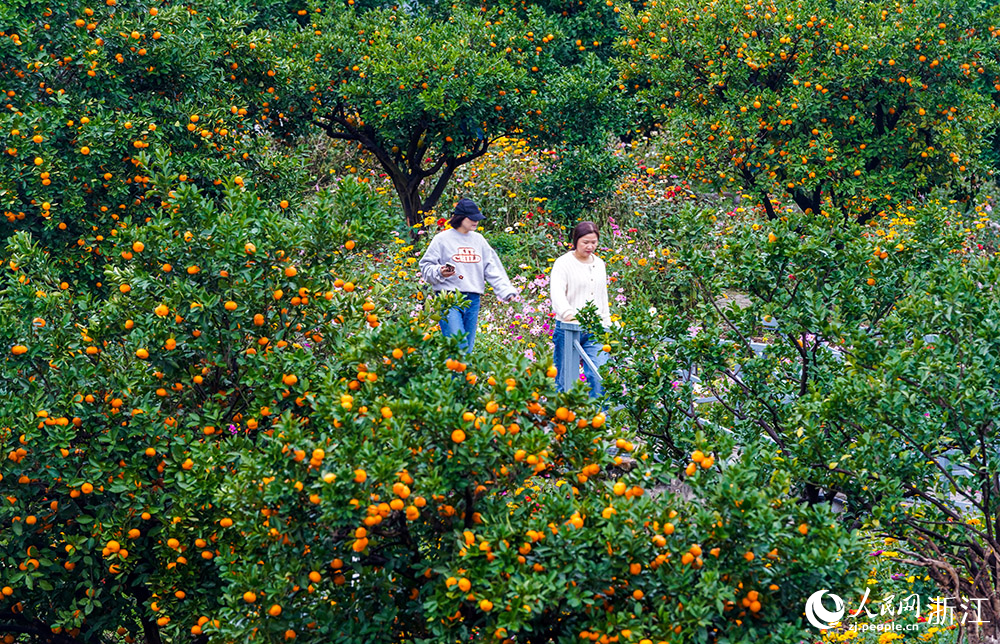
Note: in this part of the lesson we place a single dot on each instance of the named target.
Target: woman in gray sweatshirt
(460, 259)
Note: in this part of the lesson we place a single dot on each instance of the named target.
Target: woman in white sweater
(579, 277)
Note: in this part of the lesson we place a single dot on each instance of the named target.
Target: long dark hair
(456, 220)
(582, 229)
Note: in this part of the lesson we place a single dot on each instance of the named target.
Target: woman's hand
(447, 271)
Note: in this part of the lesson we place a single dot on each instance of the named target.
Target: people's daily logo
(818, 615)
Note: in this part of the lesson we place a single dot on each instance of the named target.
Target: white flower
(652, 311)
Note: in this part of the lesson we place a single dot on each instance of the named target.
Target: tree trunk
(412, 206)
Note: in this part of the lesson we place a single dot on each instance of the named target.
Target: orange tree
(866, 355)
(249, 439)
(122, 416)
(425, 94)
(88, 90)
(849, 107)
(915, 416)
(428, 499)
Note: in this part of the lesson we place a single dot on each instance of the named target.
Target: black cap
(468, 208)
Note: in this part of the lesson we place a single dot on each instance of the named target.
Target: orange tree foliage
(426, 93)
(850, 107)
(124, 416)
(88, 89)
(877, 376)
(253, 439)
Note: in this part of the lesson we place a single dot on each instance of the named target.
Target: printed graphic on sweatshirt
(467, 255)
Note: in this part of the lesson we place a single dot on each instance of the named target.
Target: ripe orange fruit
(350, 244)
(138, 247)
(19, 349)
(274, 610)
(360, 476)
(291, 271)
(289, 379)
(142, 354)
(84, 150)
(230, 305)
(124, 288)
(226, 522)
(803, 529)
(249, 248)
(486, 605)
(249, 597)
(749, 556)
(697, 456)
(161, 310)
(458, 436)
(464, 585)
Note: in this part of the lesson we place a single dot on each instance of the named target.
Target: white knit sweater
(574, 283)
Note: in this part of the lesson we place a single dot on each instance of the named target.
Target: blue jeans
(463, 321)
(590, 347)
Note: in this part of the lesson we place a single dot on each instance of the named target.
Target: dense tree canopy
(426, 94)
(227, 412)
(847, 107)
(90, 93)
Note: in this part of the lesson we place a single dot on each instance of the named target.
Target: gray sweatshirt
(474, 260)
